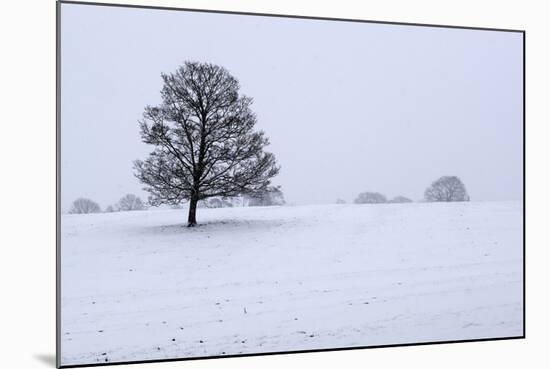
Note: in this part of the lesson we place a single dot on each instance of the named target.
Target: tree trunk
(192, 218)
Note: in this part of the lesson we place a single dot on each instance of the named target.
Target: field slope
(142, 286)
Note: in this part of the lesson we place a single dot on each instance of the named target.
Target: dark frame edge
(58, 184)
(524, 184)
(295, 352)
(395, 23)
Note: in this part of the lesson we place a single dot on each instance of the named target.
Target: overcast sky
(348, 107)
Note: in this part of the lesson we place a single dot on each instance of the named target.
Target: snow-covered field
(142, 286)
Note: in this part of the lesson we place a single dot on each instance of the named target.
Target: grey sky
(348, 107)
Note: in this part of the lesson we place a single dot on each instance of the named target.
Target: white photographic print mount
(235, 184)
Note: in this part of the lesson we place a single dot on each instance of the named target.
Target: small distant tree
(110, 209)
(84, 206)
(340, 201)
(214, 203)
(227, 203)
(400, 200)
(370, 198)
(446, 188)
(270, 197)
(130, 202)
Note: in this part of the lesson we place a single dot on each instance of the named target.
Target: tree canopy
(370, 198)
(84, 206)
(447, 188)
(204, 140)
(130, 202)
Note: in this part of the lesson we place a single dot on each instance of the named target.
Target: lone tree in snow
(340, 201)
(447, 188)
(204, 139)
(400, 200)
(130, 202)
(370, 198)
(84, 206)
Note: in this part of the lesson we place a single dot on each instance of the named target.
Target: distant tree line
(129, 202)
(444, 189)
(271, 196)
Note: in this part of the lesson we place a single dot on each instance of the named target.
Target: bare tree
(447, 188)
(400, 200)
(130, 202)
(218, 202)
(84, 206)
(370, 198)
(340, 201)
(204, 138)
(214, 203)
(227, 202)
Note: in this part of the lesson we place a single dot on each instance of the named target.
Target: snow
(142, 286)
